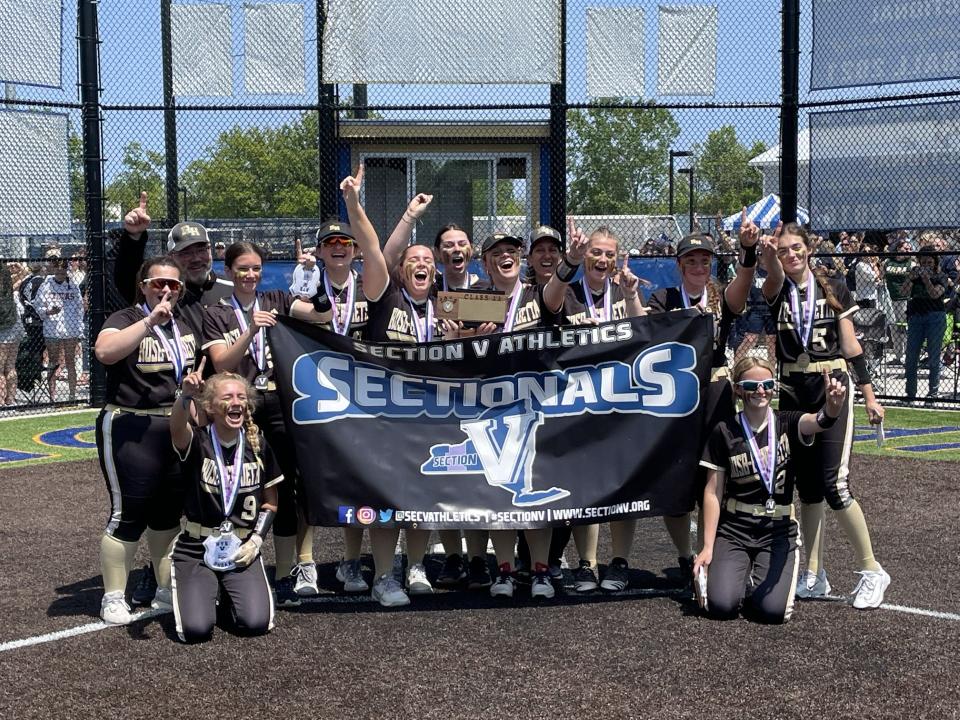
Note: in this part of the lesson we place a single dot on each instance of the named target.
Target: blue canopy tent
(765, 213)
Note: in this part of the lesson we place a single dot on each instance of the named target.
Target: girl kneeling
(230, 504)
(750, 529)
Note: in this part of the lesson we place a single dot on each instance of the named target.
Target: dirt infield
(644, 654)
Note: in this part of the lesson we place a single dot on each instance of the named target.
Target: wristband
(321, 302)
(748, 256)
(824, 420)
(264, 521)
(861, 374)
(566, 270)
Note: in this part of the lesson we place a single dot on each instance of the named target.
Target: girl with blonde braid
(230, 504)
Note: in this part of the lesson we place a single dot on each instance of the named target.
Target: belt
(719, 373)
(778, 511)
(814, 367)
(157, 412)
(196, 530)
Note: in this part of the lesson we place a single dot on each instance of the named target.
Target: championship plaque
(472, 306)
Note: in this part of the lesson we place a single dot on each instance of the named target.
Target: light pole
(689, 171)
(675, 154)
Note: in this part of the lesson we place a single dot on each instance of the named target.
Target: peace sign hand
(192, 384)
(749, 232)
(350, 187)
(137, 220)
(578, 241)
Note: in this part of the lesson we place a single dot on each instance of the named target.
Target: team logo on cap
(190, 231)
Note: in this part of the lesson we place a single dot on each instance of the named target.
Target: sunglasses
(753, 385)
(160, 283)
(334, 241)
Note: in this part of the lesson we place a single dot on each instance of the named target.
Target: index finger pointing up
(779, 229)
(203, 363)
(360, 174)
(143, 200)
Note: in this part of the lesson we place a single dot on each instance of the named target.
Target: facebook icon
(346, 514)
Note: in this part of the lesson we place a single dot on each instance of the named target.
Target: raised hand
(418, 205)
(192, 384)
(629, 283)
(768, 249)
(350, 186)
(749, 232)
(577, 242)
(162, 311)
(137, 220)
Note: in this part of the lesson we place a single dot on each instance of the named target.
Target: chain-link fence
(651, 119)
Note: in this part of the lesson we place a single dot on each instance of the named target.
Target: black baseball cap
(695, 241)
(498, 238)
(183, 235)
(334, 228)
(545, 232)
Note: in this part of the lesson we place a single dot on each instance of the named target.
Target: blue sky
(747, 71)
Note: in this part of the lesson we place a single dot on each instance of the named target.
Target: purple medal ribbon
(802, 324)
(257, 349)
(338, 328)
(229, 482)
(175, 351)
(606, 313)
(424, 326)
(512, 310)
(766, 469)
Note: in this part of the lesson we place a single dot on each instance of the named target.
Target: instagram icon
(366, 515)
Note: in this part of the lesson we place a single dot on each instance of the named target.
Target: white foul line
(357, 599)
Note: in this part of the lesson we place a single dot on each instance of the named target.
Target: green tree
(257, 172)
(143, 169)
(724, 181)
(617, 159)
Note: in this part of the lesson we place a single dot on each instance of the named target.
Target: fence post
(558, 136)
(169, 118)
(326, 130)
(789, 109)
(89, 45)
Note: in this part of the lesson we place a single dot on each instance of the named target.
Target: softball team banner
(550, 426)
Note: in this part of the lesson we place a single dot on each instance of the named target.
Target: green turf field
(26, 435)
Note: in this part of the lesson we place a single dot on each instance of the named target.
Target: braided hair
(208, 399)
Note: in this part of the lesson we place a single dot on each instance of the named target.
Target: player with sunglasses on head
(147, 350)
(750, 533)
(815, 333)
(234, 335)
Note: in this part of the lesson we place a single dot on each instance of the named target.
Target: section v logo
(501, 445)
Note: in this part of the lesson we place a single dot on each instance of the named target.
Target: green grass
(908, 418)
(19, 435)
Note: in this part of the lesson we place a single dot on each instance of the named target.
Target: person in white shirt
(61, 306)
